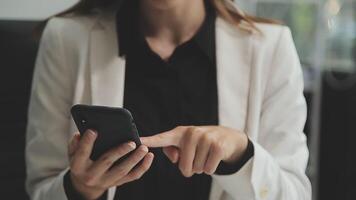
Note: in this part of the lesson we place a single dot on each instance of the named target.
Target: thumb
(172, 153)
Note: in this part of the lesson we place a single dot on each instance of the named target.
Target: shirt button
(263, 192)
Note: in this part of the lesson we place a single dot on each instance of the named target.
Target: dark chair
(338, 139)
(18, 50)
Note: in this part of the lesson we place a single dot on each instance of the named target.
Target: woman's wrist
(231, 168)
(75, 192)
(239, 148)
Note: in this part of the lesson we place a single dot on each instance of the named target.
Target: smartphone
(114, 126)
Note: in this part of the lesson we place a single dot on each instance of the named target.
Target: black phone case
(113, 125)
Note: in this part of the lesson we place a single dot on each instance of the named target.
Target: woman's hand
(92, 178)
(199, 149)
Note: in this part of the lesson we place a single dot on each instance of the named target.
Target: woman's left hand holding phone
(92, 178)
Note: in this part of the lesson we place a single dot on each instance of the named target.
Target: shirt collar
(128, 32)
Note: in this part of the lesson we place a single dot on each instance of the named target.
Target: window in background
(341, 35)
(301, 18)
(324, 33)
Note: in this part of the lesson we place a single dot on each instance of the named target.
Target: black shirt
(164, 94)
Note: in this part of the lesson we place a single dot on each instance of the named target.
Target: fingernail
(92, 133)
(144, 148)
(151, 154)
(209, 172)
(132, 145)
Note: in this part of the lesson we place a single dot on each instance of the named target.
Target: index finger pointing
(165, 139)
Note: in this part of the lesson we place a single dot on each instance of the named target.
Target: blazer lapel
(107, 69)
(233, 52)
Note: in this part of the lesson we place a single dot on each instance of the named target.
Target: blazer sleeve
(277, 170)
(48, 118)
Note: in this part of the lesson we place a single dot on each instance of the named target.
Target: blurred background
(325, 36)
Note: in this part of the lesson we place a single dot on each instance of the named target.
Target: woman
(217, 97)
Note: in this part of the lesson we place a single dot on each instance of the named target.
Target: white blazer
(260, 92)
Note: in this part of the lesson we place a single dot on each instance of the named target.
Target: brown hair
(238, 17)
(234, 16)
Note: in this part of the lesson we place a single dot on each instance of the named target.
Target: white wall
(32, 9)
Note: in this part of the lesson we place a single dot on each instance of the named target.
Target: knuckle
(89, 180)
(197, 130)
(107, 161)
(160, 137)
(82, 151)
(191, 129)
(217, 148)
(142, 151)
(187, 135)
(207, 138)
(121, 172)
